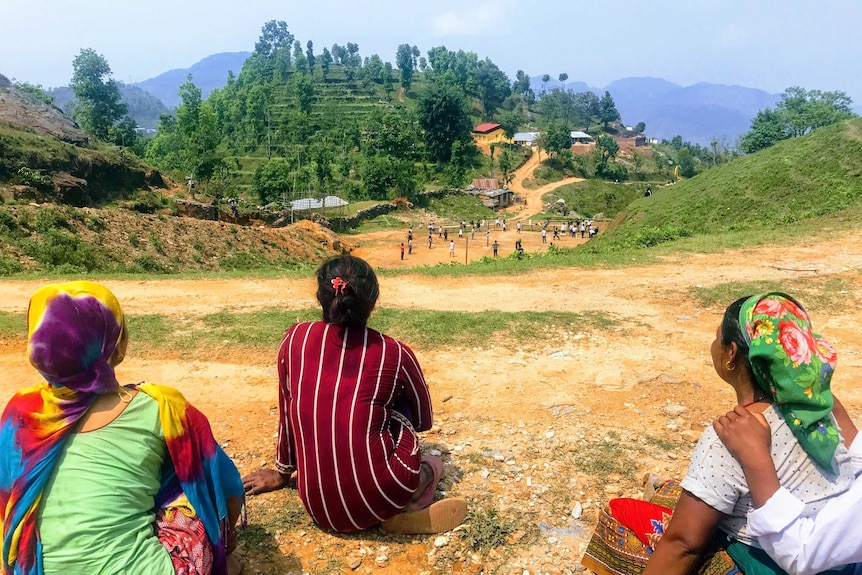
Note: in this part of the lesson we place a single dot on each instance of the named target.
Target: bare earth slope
(527, 430)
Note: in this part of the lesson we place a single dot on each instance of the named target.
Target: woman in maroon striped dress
(351, 400)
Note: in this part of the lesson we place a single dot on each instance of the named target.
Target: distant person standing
(445, 235)
(544, 235)
(410, 246)
(556, 233)
(518, 227)
(452, 248)
(504, 225)
(430, 237)
(487, 236)
(402, 250)
(496, 246)
(461, 232)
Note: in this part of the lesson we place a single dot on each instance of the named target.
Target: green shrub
(9, 224)
(57, 248)
(652, 236)
(148, 264)
(9, 265)
(51, 218)
(157, 243)
(95, 224)
(34, 178)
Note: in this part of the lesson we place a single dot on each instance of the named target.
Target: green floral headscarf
(794, 366)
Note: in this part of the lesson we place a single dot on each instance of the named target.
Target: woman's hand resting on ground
(264, 481)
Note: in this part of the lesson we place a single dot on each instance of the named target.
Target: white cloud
(481, 16)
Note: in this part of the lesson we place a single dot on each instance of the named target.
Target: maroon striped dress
(349, 402)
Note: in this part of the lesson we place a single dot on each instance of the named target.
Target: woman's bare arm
(686, 539)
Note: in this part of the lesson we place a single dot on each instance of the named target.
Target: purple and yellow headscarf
(794, 366)
(76, 335)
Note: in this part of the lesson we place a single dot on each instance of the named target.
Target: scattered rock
(577, 510)
(561, 355)
(441, 541)
(674, 409)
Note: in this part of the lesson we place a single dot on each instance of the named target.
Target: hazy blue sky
(769, 45)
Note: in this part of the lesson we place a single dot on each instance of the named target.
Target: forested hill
(143, 106)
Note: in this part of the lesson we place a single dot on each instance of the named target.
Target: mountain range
(208, 74)
(699, 113)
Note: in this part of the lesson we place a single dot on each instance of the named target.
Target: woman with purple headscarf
(96, 477)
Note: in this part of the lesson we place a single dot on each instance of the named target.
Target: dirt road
(533, 197)
(513, 420)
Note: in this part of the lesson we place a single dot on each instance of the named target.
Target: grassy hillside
(50, 239)
(53, 170)
(801, 178)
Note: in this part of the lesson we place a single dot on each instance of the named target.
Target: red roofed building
(488, 133)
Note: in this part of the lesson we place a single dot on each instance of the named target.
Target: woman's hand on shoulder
(746, 435)
(264, 481)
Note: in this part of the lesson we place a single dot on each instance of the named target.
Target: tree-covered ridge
(296, 121)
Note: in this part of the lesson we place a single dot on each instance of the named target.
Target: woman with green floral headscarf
(766, 350)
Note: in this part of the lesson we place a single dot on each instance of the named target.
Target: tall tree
(99, 103)
(271, 56)
(558, 138)
(274, 36)
(197, 127)
(521, 85)
(608, 148)
(404, 61)
(491, 86)
(309, 55)
(563, 77)
(608, 110)
(545, 79)
(444, 117)
(414, 51)
(800, 111)
(511, 121)
(325, 61)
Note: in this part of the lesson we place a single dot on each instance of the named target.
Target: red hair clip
(339, 285)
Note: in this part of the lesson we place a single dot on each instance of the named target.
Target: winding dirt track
(533, 197)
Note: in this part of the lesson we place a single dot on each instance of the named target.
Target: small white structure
(525, 138)
(579, 137)
(316, 204)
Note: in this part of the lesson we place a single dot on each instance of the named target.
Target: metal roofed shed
(525, 138)
(316, 203)
(581, 137)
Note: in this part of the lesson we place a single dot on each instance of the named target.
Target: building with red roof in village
(489, 133)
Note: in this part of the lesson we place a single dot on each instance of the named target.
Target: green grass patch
(822, 294)
(487, 530)
(13, 325)
(592, 197)
(264, 329)
(604, 457)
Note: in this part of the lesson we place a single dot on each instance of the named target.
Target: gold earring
(729, 366)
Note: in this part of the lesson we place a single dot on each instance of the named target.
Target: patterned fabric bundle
(794, 366)
(76, 334)
(629, 529)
